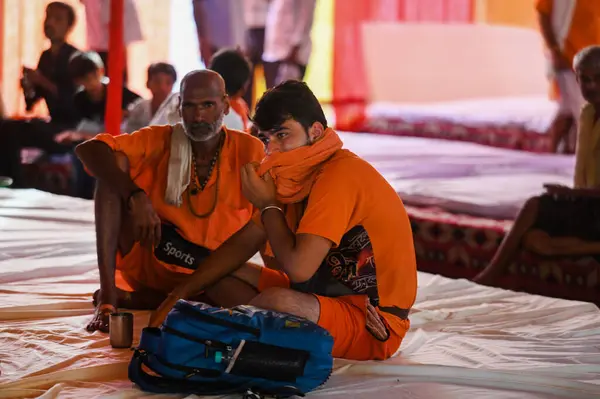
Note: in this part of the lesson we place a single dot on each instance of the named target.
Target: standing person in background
(567, 27)
(287, 40)
(255, 15)
(97, 17)
(219, 24)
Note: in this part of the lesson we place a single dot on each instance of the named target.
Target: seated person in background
(567, 27)
(50, 82)
(87, 71)
(235, 70)
(339, 233)
(166, 197)
(563, 221)
(161, 78)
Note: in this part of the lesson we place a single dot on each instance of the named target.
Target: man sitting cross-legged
(339, 234)
(166, 197)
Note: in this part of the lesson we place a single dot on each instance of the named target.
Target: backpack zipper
(215, 320)
(205, 342)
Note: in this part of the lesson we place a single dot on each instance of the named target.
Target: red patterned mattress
(515, 123)
(460, 246)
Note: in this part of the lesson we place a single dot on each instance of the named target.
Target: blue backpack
(204, 350)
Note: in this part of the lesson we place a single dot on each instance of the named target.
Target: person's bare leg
(541, 243)
(231, 291)
(289, 301)
(109, 215)
(511, 243)
(559, 130)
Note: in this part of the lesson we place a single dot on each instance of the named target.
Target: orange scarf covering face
(294, 172)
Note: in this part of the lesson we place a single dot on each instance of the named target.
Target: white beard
(218, 122)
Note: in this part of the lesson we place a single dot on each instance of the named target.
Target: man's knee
(286, 300)
(123, 164)
(272, 298)
(532, 204)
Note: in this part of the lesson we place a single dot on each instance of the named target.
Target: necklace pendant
(194, 191)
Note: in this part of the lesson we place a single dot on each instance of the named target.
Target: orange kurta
(148, 151)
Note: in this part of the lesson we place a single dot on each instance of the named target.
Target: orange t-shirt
(585, 24)
(354, 207)
(148, 151)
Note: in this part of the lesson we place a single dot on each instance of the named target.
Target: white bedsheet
(533, 113)
(48, 273)
(461, 177)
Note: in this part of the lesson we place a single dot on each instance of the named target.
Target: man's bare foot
(100, 322)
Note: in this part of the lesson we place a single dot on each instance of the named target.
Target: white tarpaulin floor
(501, 344)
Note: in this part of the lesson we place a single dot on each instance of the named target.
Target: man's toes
(95, 298)
(104, 327)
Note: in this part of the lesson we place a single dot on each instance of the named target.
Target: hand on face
(260, 191)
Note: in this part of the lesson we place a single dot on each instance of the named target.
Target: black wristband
(131, 194)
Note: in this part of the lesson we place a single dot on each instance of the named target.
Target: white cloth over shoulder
(178, 175)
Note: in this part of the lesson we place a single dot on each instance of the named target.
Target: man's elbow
(89, 150)
(298, 274)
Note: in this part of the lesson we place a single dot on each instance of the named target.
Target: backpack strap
(158, 384)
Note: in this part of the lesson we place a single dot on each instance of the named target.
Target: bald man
(166, 197)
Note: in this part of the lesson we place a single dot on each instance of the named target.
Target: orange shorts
(345, 319)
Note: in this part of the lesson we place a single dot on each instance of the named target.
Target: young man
(235, 70)
(161, 78)
(564, 221)
(567, 26)
(51, 82)
(339, 233)
(166, 197)
(87, 71)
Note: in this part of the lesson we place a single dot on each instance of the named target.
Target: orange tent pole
(116, 63)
